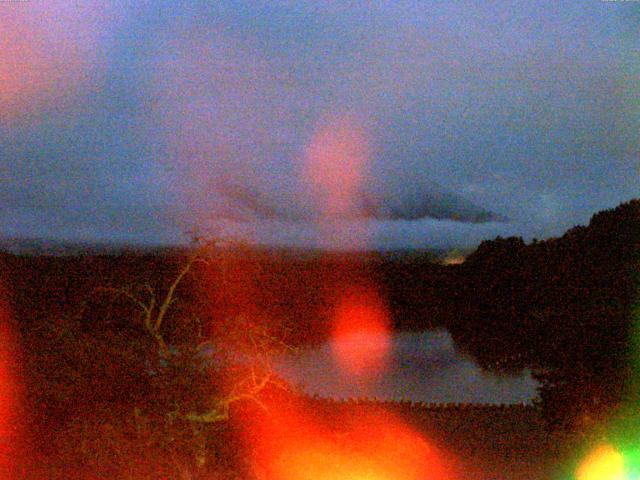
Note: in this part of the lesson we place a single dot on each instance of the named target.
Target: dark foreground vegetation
(132, 356)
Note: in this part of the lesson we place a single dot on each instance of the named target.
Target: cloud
(203, 116)
(247, 203)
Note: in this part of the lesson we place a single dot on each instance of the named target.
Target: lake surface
(421, 367)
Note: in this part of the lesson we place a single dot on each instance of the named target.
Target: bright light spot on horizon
(454, 260)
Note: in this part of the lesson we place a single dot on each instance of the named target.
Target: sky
(413, 124)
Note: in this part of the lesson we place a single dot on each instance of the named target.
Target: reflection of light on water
(420, 366)
(361, 340)
(361, 352)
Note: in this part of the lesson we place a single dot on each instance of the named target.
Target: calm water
(421, 367)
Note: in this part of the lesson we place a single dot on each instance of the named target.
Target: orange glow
(371, 445)
(361, 340)
(604, 463)
(457, 260)
(20, 62)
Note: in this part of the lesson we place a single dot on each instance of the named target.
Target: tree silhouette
(561, 308)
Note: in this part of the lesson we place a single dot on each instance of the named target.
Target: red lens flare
(337, 165)
(9, 393)
(336, 169)
(296, 441)
(47, 51)
(298, 444)
(361, 339)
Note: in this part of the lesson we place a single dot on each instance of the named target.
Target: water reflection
(423, 367)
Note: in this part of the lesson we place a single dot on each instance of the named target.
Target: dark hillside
(561, 307)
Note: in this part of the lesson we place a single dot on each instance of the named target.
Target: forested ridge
(563, 307)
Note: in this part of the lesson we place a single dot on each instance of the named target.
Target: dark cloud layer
(246, 203)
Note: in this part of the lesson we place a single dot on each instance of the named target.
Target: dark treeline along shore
(563, 308)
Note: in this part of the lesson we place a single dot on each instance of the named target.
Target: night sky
(143, 121)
